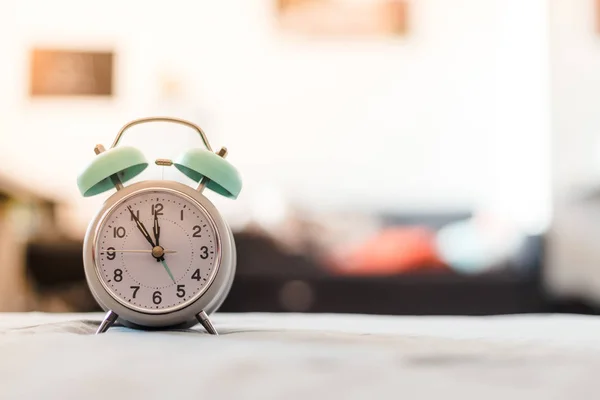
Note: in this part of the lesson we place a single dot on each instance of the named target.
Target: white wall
(452, 115)
(574, 262)
(576, 91)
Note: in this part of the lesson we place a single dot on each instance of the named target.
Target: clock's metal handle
(162, 119)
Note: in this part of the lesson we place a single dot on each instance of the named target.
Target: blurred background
(398, 156)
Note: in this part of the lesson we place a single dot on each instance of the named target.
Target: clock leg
(107, 322)
(203, 319)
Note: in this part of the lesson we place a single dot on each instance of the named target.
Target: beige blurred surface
(54, 356)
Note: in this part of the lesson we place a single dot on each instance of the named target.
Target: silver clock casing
(208, 299)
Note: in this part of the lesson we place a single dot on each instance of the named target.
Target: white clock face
(156, 251)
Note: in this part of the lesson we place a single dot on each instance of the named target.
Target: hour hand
(141, 226)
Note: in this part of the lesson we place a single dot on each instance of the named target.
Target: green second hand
(163, 262)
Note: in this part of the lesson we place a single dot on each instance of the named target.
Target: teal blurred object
(478, 245)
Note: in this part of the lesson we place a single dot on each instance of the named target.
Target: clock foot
(203, 319)
(107, 322)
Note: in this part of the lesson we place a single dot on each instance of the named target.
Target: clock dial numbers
(127, 261)
(119, 232)
(157, 209)
(110, 253)
(204, 252)
(196, 275)
(135, 290)
(118, 275)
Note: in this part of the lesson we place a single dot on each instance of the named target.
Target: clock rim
(209, 298)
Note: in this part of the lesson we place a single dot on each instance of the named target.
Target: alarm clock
(158, 254)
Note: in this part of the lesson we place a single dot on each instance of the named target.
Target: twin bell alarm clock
(158, 254)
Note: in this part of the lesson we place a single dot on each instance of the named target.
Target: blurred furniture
(268, 280)
(573, 270)
(24, 214)
(55, 268)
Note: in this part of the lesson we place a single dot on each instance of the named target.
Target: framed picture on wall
(62, 72)
(343, 18)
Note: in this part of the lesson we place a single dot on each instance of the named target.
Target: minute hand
(141, 227)
(156, 228)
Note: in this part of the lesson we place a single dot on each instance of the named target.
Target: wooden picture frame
(63, 72)
(344, 18)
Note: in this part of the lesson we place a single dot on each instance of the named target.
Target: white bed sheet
(294, 356)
